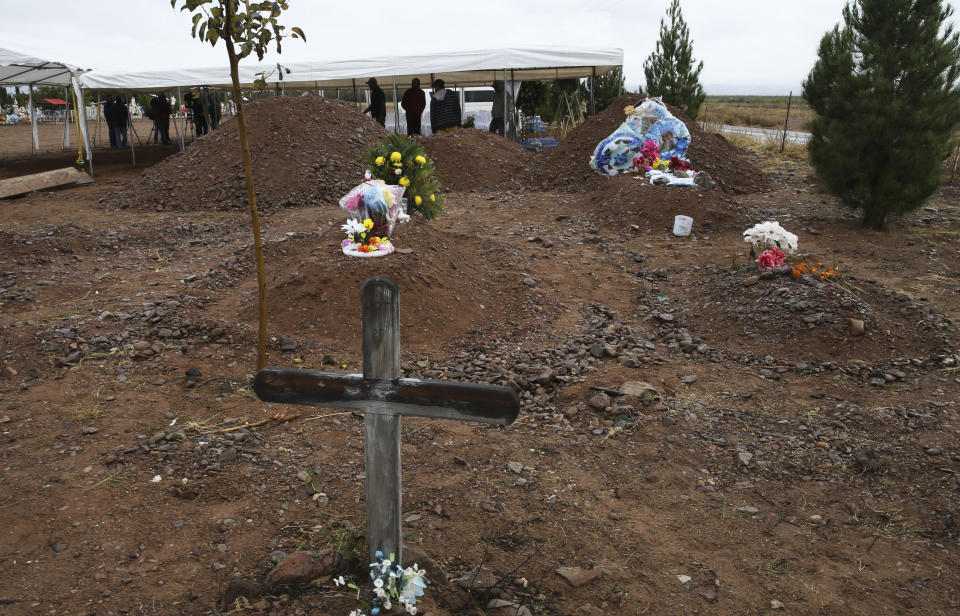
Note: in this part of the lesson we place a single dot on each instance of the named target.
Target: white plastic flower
(339, 581)
(353, 226)
(770, 233)
(378, 583)
(398, 171)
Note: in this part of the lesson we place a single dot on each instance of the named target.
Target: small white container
(682, 225)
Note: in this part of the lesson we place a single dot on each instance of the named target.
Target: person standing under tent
(378, 103)
(108, 118)
(414, 101)
(497, 115)
(118, 112)
(213, 110)
(199, 119)
(160, 107)
(444, 109)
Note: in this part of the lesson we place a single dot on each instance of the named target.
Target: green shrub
(407, 155)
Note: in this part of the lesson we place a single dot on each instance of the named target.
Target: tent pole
(463, 103)
(396, 108)
(355, 99)
(83, 134)
(513, 108)
(593, 86)
(99, 111)
(34, 143)
(64, 142)
(133, 153)
(180, 119)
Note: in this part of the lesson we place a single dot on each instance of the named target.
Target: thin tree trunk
(252, 199)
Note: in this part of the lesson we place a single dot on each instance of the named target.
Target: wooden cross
(384, 397)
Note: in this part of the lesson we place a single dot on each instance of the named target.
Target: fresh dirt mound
(471, 159)
(809, 320)
(623, 200)
(306, 150)
(567, 164)
(452, 289)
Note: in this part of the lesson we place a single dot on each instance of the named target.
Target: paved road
(761, 133)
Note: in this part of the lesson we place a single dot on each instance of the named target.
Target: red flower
(771, 258)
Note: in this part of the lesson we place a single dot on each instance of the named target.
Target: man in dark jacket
(444, 109)
(118, 113)
(414, 102)
(378, 103)
(160, 112)
(108, 118)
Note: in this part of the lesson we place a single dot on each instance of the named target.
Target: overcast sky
(747, 46)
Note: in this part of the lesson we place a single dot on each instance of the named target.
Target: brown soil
(305, 150)
(776, 460)
(472, 159)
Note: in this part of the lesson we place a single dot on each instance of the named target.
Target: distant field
(760, 111)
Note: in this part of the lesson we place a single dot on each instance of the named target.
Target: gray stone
(748, 509)
(516, 467)
(228, 455)
(599, 401)
(856, 327)
(596, 349)
(744, 457)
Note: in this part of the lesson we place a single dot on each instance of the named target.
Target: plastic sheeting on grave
(647, 121)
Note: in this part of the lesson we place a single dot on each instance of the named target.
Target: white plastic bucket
(682, 225)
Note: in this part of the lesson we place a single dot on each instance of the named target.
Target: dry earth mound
(472, 159)
(306, 151)
(808, 319)
(452, 288)
(621, 201)
(567, 164)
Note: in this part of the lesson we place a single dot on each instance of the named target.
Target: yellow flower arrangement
(404, 182)
(396, 157)
(433, 198)
(380, 160)
(661, 164)
(418, 200)
(368, 224)
(420, 160)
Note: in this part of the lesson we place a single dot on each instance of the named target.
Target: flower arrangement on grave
(402, 161)
(362, 239)
(373, 209)
(818, 271)
(649, 157)
(393, 587)
(680, 164)
(770, 243)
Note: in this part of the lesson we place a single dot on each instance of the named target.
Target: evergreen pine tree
(671, 71)
(885, 92)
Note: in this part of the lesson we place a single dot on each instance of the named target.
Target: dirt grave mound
(452, 289)
(472, 159)
(809, 320)
(623, 200)
(568, 163)
(306, 150)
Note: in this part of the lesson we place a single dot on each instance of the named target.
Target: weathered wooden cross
(385, 397)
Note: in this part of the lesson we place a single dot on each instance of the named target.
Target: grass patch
(769, 146)
(89, 414)
(759, 111)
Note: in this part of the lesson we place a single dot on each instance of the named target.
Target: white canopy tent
(17, 69)
(458, 69)
(464, 68)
